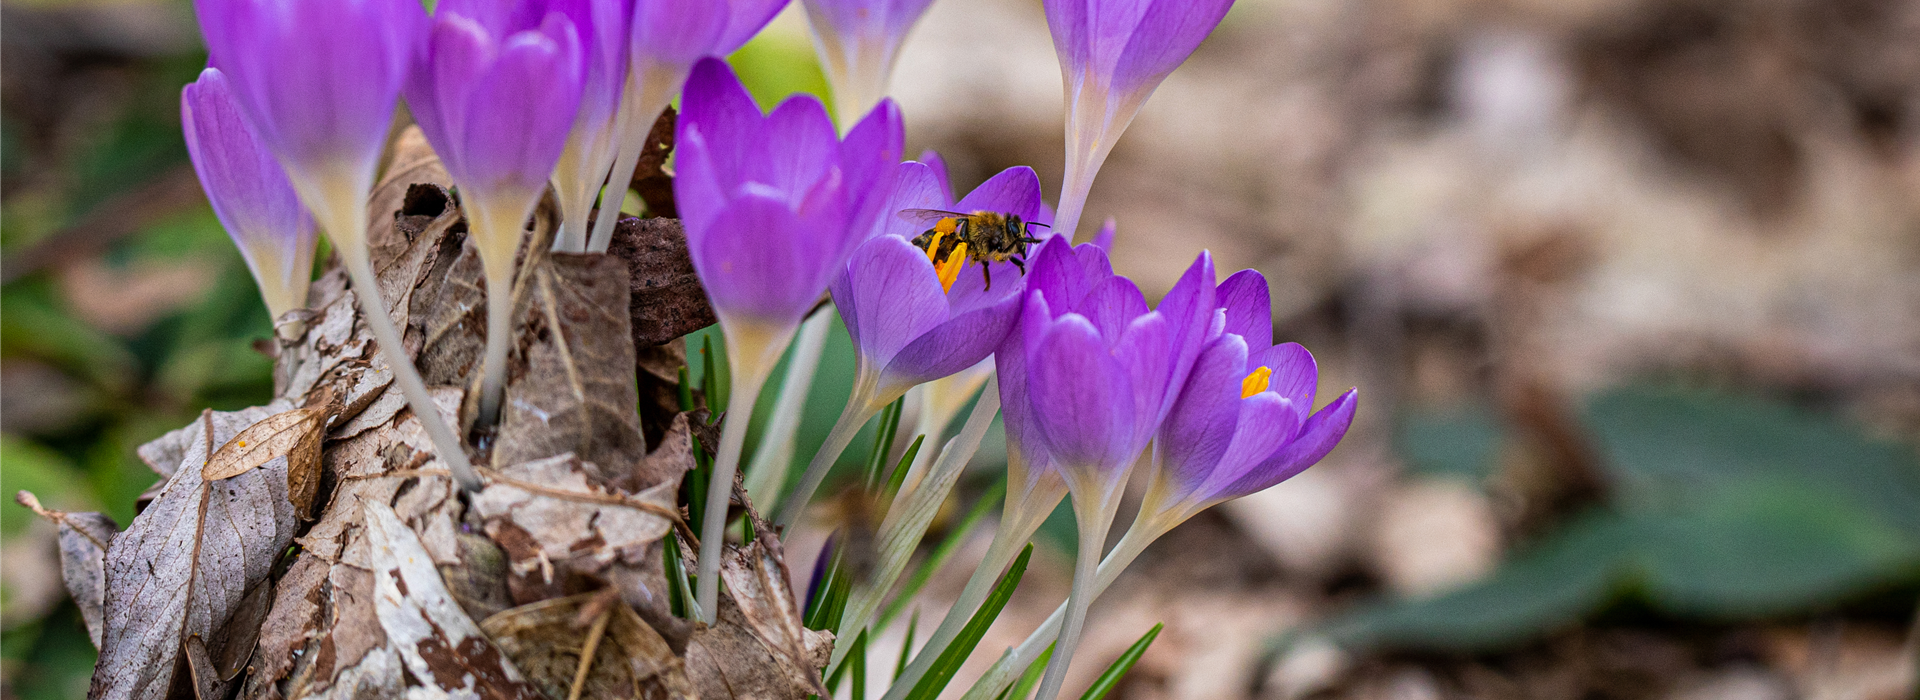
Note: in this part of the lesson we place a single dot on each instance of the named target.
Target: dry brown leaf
(651, 179)
(84, 538)
(555, 522)
(440, 645)
(413, 163)
(294, 435)
(576, 393)
(546, 642)
(294, 617)
(727, 660)
(186, 563)
(758, 582)
(667, 299)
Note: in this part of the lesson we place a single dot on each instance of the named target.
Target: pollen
(949, 270)
(1256, 382)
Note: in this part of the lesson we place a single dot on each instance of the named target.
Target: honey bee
(990, 237)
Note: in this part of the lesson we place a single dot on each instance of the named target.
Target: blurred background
(1630, 290)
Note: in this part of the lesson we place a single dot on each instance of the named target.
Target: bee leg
(1017, 262)
(988, 277)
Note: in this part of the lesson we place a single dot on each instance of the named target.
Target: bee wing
(928, 216)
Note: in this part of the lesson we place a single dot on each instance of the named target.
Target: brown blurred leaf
(84, 538)
(232, 530)
(631, 660)
(295, 435)
(650, 178)
(757, 579)
(440, 645)
(667, 299)
(576, 393)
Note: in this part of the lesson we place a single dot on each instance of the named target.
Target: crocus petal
(939, 167)
(518, 116)
(750, 273)
(1191, 312)
(717, 106)
(1111, 306)
(1015, 191)
(1249, 309)
(745, 18)
(915, 186)
(1145, 350)
(1082, 399)
(249, 191)
(1010, 362)
(697, 191)
(955, 345)
(1201, 423)
(679, 32)
(801, 139)
(891, 298)
(1316, 438)
(1103, 240)
(1265, 423)
(1295, 375)
(1166, 34)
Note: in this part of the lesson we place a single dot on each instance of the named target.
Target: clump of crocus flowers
(1095, 386)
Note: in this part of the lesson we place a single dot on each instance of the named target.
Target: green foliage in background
(1722, 508)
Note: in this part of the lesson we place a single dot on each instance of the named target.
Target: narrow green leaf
(686, 390)
(1031, 679)
(883, 440)
(857, 658)
(956, 653)
(899, 475)
(948, 547)
(815, 617)
(679, 590)
(906, 647)
(1111, 677)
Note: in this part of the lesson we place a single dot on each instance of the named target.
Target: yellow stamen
(1256, 382)
(950, 270)
(933, 247)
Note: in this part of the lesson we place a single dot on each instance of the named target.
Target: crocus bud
(603, 27)
(858, 41)
(317, 80)
(666, 38)
(250, 193)
(1113, 53)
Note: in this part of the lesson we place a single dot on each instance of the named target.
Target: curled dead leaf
(295, 435)
(548, 642)
(84, 538)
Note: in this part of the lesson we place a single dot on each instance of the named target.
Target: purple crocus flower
(858, 41)
(773, 206)
(914, 319)
(1102, 373)
(495, 90)
(1242, 423)
(317, 80)
(603, 27)
(1113, 53)
(666, 39)
(251, 195)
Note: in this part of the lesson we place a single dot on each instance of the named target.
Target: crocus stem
(1015, 660)
(768, 471)
(924, 423)
(649, 90)
(713, 532)
(1093, 125)
(353, 253)
(1093, 510)
(1012, 534)
(860, 407)
(577, 181)
(1074, 188)
(907, 519)
(493, 377)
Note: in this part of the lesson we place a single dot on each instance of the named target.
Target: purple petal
(955, 345)
(1112, 306)
(249, 191)
(748, 273)
(1249, 309)
(697, 191)
(1081, 398)
(1104, 238)
(970, 290)
(1015, 191)
(893, 297)
(1266, 422)
(1143, 349)
(939, 167)
(719, 107)
(1295, 375)
(1190, 311)
(1200, 426)
(1165, 35)
(869, 159)
(799, 144)
(1316, 438)
(678, 32)
(318, 79)
(1010, 362)
(915, 186)
(745, 19)
(518, 116)
(458, 49)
